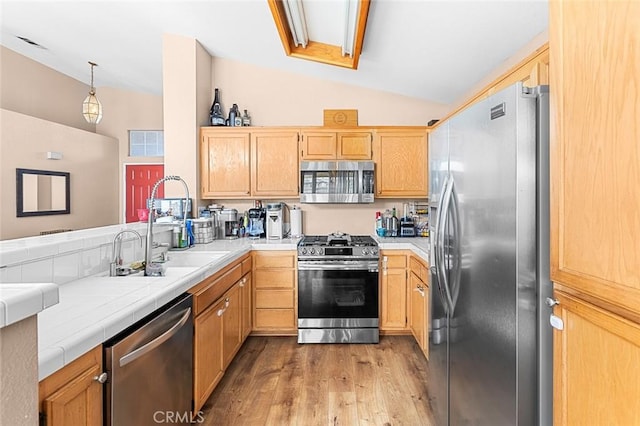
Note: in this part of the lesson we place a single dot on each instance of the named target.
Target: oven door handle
(337, 266)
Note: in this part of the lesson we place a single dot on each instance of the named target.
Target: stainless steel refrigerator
(490, 342)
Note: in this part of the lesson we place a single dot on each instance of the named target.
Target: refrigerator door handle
(437, 245)
(444, 219)
(456, 253)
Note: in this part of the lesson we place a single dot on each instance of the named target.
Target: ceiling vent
(31, 42)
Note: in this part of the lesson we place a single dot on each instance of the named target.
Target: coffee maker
(257, 224)
(274, 221)
(228, 224)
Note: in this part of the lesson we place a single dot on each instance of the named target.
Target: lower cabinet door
(78, 403)
(393, 299)
(231, 325)
(72, 396)
(419, 312)
(207, 353)
(246, 292)
(596, 364)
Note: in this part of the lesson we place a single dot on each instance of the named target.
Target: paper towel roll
(296, 222)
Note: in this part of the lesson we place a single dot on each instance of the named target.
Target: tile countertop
(96, 308)
(20, 301)
(419, 245)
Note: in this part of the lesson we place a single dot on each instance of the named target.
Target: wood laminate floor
(276, 381)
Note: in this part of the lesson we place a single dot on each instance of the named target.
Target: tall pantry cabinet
(595, 210)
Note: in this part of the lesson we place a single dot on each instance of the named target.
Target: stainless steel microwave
(336, 181)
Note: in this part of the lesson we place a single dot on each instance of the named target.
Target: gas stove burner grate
(337, 240)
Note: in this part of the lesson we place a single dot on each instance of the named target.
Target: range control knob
(365, 251)
(303, 251)
(312, 251)
(374, 251)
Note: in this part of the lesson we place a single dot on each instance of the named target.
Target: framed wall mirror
(42, 192)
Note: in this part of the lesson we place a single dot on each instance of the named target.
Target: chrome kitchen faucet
(116, 257)
(156, 269)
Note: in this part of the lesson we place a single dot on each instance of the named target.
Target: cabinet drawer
(419, 269)
(274, 299)
(275, 318)
(275, 260)
(217, 288)
(246, 265)
(274, 278)
(394, 261)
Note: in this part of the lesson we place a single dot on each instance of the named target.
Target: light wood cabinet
(224, 163)
(274, 287)
(207, 355)
(595, 198)
(336, 145)
(221, 310)
(596, 365)
(72, 396)
(419, 303)
(401, 163)
(393, 290)
(595, 102)
(231, 324)
(246, 163)
(246, 295)
(274, 163)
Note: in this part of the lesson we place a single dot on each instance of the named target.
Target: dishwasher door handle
(132, 356)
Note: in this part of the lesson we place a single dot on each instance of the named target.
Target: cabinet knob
(102, 378)
(551, 302)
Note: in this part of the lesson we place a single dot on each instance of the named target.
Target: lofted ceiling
(434, 50)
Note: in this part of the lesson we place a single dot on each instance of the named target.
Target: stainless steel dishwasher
(149, 367)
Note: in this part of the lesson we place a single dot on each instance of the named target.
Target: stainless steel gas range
(338, 289)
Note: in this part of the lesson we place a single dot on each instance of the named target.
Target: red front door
(140, 179)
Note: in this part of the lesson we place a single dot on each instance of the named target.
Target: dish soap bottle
(379, 225)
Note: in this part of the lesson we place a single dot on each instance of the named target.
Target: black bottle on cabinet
(215, 113)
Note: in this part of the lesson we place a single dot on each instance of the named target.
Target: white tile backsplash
(11, 274)
(40, 271)
(90, 262)
(66, 267)
(13, 255)
(51, 258)
(69, 245)
(45, 250)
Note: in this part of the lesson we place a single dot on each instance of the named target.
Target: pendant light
(91, 107)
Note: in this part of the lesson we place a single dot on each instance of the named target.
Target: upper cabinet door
(335, 145)
(224, 162)
(318, 145)
(595, 140)
(354, 146)
(401, 163)
(275, 170)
